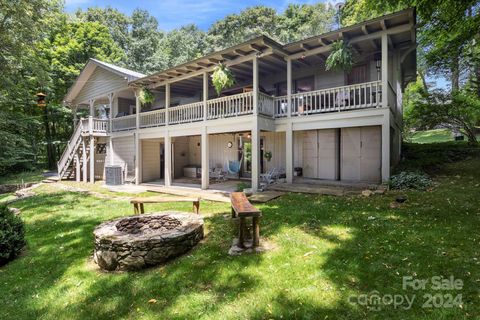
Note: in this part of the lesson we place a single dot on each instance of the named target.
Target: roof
(122, 71)
(87, 71)
(400, 26)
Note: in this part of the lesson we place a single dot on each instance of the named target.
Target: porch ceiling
(235, 57)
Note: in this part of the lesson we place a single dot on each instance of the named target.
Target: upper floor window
(299, 85)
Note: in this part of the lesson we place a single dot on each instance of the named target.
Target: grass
(22, 177)
(326, 249)
(432, 136)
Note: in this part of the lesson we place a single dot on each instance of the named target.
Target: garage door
(320, 154)
(361, 154)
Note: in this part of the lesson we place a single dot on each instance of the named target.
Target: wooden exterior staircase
(72, 160)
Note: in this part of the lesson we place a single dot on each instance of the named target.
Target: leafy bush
(410, 180)
(431, 157)
(12, 233)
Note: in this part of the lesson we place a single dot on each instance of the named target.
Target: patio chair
(270, 176)
(218, 174)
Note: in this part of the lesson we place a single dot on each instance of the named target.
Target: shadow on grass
(335, 247)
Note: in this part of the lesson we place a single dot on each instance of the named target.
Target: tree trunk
(48, 137)
(455, 74)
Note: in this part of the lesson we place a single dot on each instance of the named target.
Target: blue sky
(175, 13)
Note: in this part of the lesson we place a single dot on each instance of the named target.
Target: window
(299, 85)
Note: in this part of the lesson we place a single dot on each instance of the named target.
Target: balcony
(345, 98)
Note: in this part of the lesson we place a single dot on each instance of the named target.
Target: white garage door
(320, 150)
(361, 157)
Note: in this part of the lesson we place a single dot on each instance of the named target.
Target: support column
(91, 104)
(167, 102)
(289, 88)
(289, 152)
(385, 70)
(92, 159)
(255, 85)
(138, 156)
(77, 167)
(255, 156)
(168, 160)
(205, 95)
(75, 118)
(84, 160)
(386, 147)
(205, 159)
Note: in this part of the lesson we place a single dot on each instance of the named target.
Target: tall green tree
(144, 43)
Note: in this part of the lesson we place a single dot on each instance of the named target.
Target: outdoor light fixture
(41, 102)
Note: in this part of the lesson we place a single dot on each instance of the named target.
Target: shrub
(241, 186)
(410, 180)
(12, 233)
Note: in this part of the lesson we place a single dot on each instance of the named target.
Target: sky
(172, 14)
(175, 13)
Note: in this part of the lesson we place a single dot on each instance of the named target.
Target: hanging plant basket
(146, 96)
(341, 57)
(222, 78)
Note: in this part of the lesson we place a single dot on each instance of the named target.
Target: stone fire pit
(137, 242)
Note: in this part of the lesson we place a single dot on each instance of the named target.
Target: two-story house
(312, 123)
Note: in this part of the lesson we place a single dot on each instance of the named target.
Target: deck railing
(124, 123)
(351, 97)
(152, 119)
(230, 106)
(357, 96)
(185, 113)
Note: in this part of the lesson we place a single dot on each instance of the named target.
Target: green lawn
(22, 177)
(327, 250)
(432, 136)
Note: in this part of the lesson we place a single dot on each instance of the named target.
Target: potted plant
(146, 96)
(341, 57)
(267, 155)
(222, 78)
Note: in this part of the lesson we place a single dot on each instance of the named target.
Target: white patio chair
(270, 176)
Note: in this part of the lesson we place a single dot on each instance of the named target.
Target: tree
(303, 21)
(181, 45)
(145, 42)
(117, 23)
(459, 110)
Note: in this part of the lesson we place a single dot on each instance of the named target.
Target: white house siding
(123, 152)
(100, 83)
(275, 143)
(150, 160)
(220, 153)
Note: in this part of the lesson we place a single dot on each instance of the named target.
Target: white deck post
(77, 168)
(205, 159)
(255, 85)
(205, 95)
(84, 156)
(91, 104)
(386, 148)
(289, 152)
(385, 70)
(289, 130)
(255, 131)
(168, 160)
(92, 158)
(289, 88)
(167, 102)
(138, 156)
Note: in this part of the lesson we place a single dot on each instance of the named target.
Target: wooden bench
(138, 202)
(242, 208)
